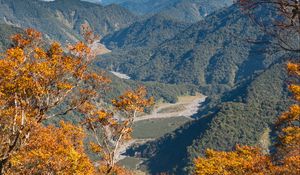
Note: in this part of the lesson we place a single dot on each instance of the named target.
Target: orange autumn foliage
(35, 79)
(53, 150)
(112, 130)
(288, 149)
(294, 68)
(244, 160)
(132, 101)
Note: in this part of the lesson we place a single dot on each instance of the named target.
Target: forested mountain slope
(242, 116)
(61, 19)
(246, 84)
(194, 10)
(213, 53)
(146, 33)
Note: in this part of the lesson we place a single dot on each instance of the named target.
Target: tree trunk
(109, 168)
(2, 164)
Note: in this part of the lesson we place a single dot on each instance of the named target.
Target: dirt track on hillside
(190, 103)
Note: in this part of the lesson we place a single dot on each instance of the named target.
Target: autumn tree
(53, 150)
(244, 160)
(288, 149)
(111, 130)
(36, 78)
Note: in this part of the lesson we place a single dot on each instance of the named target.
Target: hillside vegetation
(241, 118)
(213, 54)
(247, 86)
(61, 20)
(146, 33)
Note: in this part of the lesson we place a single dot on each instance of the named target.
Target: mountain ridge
(64, 16)
(181, 10)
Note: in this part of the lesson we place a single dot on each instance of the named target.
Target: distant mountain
(193, 10)
(182, 10)
(107, 2)
(147, 33)
(61, 19)
(147, 6)
(213, 53)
